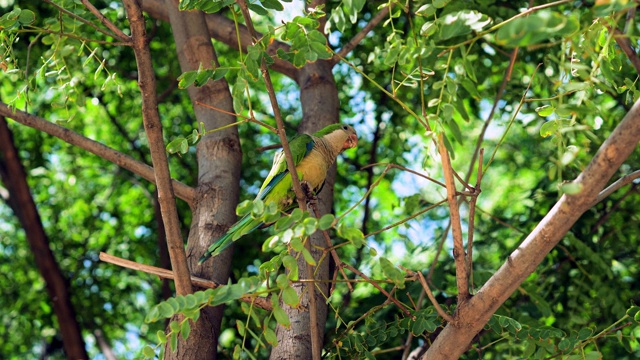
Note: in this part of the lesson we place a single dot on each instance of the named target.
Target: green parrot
(312, 155)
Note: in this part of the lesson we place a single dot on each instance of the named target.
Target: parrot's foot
(312, 199)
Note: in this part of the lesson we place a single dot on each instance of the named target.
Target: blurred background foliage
(578, 85)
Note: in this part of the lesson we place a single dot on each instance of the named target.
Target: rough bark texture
(320, 106)
(454, 340)
(20, 200)
(219, 162)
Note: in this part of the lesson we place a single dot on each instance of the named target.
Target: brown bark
(20, 200)
(471, 317)
(153, 129)
(219, 159)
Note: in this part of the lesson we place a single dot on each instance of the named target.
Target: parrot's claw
(312, 199)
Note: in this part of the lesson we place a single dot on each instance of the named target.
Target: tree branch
(153, 128)
(106, 22)
(627, 179)
(462, 272)
(351, 44)
(14, 177)
(263, 303)
(183, 191)
(223, 29)
(456, 337)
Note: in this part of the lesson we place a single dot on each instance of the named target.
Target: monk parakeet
(312, 155)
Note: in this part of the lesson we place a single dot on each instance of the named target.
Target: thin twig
(443, 239)
(346, 49)
(117, 33)
(462, 272)
(407, 218)
(263, 303)
(485, 126)
(400, 167)
(383, 291)
(336, 259)
(439, 309)
(126, 41)
(627, 179)
(106, 22)
(472, 216)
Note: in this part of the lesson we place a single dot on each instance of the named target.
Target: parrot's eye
(344, 127)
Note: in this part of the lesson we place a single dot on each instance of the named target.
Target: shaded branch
(106, 22)
(627, 179)
(351, 44)
(153, 129)
(263, 303)
(462, 272)
(437, 306)
(183, 191)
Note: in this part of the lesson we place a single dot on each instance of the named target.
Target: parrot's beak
(352, 141)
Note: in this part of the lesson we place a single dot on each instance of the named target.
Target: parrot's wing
(300, 146)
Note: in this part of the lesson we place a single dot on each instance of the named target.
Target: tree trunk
(219, 164)
(20, 200)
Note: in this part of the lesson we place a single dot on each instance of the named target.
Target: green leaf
(310, 225)
(326, 222)
(258, 209)
(162, 337)
(307, 257)
(461, 23)
(26, 17)
(179, 145)
(538, 27)
(545, 110)
(584, 334)
(240, 327)
(284, 223)
(244, 208)
(426, 10)
(186, 79)
(149, 352)
(166, 310)
(258, 9)
(185, 329)
(291, 264)
(290, 297)
(392, 272)
(272, 4)
(173, 341)
(270, 336)
(353, 235)
(281, 316)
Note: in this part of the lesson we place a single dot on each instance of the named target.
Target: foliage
(434, 68)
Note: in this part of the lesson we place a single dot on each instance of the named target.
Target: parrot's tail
(242, 227)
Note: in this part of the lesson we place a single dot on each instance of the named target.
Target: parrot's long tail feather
(243, 226)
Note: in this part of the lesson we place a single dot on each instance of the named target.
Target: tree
(488, 134)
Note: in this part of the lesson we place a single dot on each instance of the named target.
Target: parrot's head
(340, 135)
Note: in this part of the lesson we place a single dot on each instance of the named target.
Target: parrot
(312, 155)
